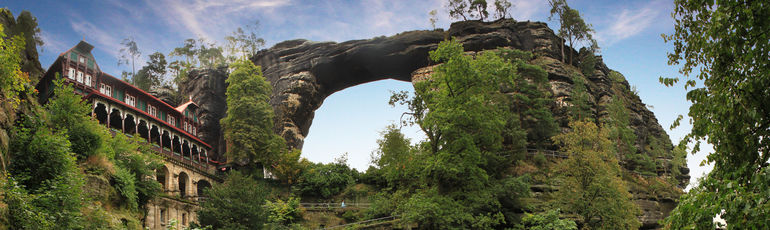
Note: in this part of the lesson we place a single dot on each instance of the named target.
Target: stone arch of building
(183, 184)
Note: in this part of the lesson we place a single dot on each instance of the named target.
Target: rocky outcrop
(207, 88)
(303, 73)
(25, 24)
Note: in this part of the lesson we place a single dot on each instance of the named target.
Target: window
(130, 100)
(80, 77)
(194, 131)
(88, 80)
(185, 127)
(153, 111)
(171, 120)
(82, 59)
(162, 215)
(105, 89)
(71, 73)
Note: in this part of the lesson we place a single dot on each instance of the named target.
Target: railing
(368, 222)
(327, 206)
(168, 153)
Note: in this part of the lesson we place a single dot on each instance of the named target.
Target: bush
(325, 180)
(235, 204)
(540, 160)
(546, 221)
(123, 181)
(284, 212)
(38, 154)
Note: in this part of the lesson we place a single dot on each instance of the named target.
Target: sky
(350, 121)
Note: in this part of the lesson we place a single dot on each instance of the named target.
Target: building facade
(171, 131)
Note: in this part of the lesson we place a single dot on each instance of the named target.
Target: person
(342, 204)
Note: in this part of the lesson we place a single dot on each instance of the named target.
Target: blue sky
(350, 120)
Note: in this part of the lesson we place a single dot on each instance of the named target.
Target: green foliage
(20, 211)
(325, 180)
(593, 189)
(12, 80)
(546, 221)
(624, 139)
(151, 75)
(616, 77)
(572, 28)
(243, 42)
(237, 203)
(501, 8)
(134, 157)
(455, 178)
(289, 166)
(68, 113)
(248, 126)
(587, 62)
(393, 156)
(724, 45)
(124, 182)
(531, 99)
(38, 154)
(284, 212)
(478, 8)
(580, 110)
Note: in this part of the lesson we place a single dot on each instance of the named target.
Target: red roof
(182, 107)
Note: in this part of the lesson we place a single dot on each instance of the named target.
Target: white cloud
(101, 39)
(526, 9)
(630, 22)
(52, 44)
(209, 19)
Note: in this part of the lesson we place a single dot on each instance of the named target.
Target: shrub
(235, 204)
(284, 212)
(325, 180)
(123, 181)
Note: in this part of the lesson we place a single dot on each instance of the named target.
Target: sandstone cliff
(303, 73)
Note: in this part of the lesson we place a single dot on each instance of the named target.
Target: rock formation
(303, 73)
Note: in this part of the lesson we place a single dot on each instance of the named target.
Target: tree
(129, 52)
(580, 109)
(724, 46)
(530, 97)
(244, 42)
(478, 8)
(433, 18)
(465, 117)
(248, 125)
(237, 203)
(572, 28)
(501, 8)
(209, 54)
(457, 9)
(591, 186)
(69, 114)
(392, 156)
(12, 80)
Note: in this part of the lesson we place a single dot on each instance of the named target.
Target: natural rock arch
(304, 73)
